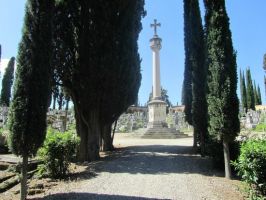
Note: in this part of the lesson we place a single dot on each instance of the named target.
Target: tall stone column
(155, 44)
(157, 107)
(157, 127)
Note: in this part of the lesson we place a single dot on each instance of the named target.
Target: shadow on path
(76, 196)
(156, 159)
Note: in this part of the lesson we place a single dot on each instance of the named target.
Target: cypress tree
(100, 64)
(223, 105)
(27, 116)
(259, 96)
(250, 91)
(196, 59)
(0, 53)
(243, 91)
(264, 62)
(187, 82)
(7, 83)
(256, 98)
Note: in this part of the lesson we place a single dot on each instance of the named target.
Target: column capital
(156, 43)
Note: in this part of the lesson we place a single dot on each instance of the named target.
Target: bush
(57, 152)
(3, 141)
(251, 164)
(260, 128)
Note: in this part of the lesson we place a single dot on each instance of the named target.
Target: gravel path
(150, 169)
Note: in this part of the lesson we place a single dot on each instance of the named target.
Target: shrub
(3, 140)
(260, 127)
(57, 152)
(251, 164)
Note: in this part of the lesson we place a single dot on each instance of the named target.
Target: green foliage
(3, 140)
(256, 97)
(243, 91)
(261, 127)
(251, 164)
(27, 115)
(195, 58)
(259, 96)
(250, 91)
(187, 82)
(97, 60)
(223, 105)
(7, 83)
(264, 61)
(57, 152)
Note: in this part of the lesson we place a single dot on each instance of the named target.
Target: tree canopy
(187, 82)
(223, 105)
(98, 62)
(243, 91)
(7, 83)
(250, 91)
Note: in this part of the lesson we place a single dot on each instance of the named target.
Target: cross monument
(155, 26)
(157, 126)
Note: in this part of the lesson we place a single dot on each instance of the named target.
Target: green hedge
(251, 164)
(57, 152)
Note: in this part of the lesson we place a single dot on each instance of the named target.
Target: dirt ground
(140, 169)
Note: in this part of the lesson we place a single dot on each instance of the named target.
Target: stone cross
(155, 26)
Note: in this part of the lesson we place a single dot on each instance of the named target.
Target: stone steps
(162, 133)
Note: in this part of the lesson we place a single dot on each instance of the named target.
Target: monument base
(157, 127)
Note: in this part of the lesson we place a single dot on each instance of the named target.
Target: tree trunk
(93, 131)
(88, 129)
(65, 122)
(202, 144)
(54, 101)
(24, 169)
(227, 167)
(67, 104)
(194, 139)
(113, 134)
(107, 138)
(60, 103)
(82, 133)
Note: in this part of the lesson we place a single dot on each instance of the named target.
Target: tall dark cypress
(27, 116)
(7, 83)
(243, 91)
(250, 91)
(223, 105)
(99, 62)
(255, 92)
(264, 61)
(0, 52)
(187, 82)
(264, 84)
(259, 96)
(196, 58)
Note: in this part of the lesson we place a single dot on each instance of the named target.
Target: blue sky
(247, 23)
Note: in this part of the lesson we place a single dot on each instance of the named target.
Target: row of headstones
(58, 119)
(129, 122)
(252, 119)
